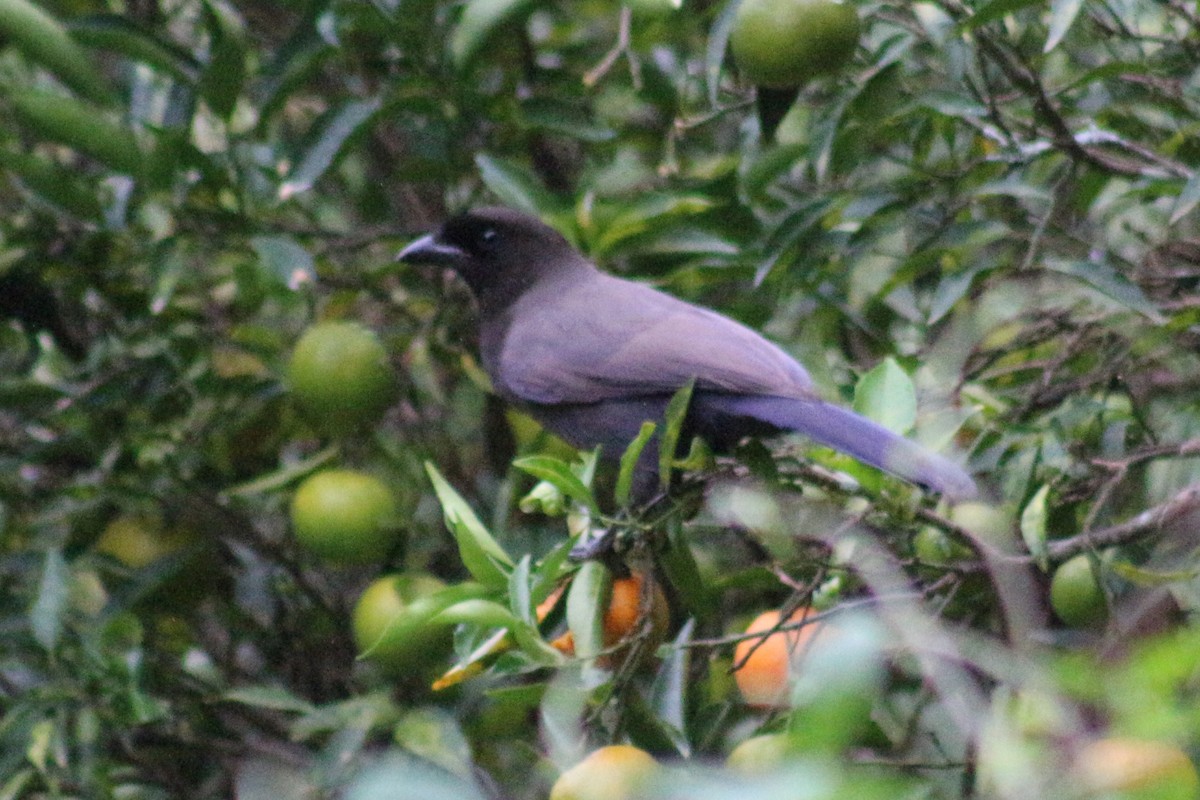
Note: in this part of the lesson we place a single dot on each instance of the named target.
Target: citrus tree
(266, 531)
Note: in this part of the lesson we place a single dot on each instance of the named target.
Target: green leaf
(678, 563)
(558, 473)
(479, 21)
(59, 187)
(283, 261)
(42, 38)
(1110, 282)
(995, 10)
(629, 460)
(168, 268)
(483, 557)
(122, 35)
(1033, 526)
(1062, 16)
(1188, 198)
(435, 735)
(221, 83)
(566, 118)
(520, 593)
(587, 599)
(714, 51)
(46, 615)
(886, 394)
(673, 428)
(336, 129)
(513, 184)
(489, 614)
(648, 214)
(272, 698)
(84, 127)
(668, 694)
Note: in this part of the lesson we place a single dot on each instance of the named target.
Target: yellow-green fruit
(995, 525)
(760, 754)
(1075, 594)
(341, 377)
(139, 540)
(611, 773)
(935, 548)
(785, 43)
(651, 9)
(391, 622)
(344, 516)
(1137, 770)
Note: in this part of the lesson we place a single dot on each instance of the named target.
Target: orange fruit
(622, 620)
(1138, 769)
(761, 753)
(340, 377)
(610, 773)
(345, 517)
(764, 666)
(784, 43)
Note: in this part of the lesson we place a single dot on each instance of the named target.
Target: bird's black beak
(428, 250)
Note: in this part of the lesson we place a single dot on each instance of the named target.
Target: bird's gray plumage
(591, 355)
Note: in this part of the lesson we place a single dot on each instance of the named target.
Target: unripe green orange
(784, 43)
(340, 377)
(1075, 594)
(344, 516)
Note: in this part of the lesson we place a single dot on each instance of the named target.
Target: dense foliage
(982, 230)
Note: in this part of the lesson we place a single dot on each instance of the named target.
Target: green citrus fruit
(933, 547)
(653, 9)
(610, 773)
(344, 516)
(341, 377)
(393, 626)
(785, 43)
(1075, 594)
(144, 540)
(139, 540)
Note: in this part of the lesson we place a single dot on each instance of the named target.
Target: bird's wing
(607, 338)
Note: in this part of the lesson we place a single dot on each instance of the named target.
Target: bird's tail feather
(858, 436)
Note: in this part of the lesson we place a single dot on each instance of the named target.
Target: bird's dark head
(497, 251)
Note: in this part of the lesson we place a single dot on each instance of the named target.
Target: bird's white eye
(488, 237)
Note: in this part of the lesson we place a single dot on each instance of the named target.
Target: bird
(591, 356)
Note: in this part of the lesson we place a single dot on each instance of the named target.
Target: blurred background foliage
(990, 214)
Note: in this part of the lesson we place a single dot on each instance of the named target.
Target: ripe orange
(1138, 769)
(761, 753)
(344, 516)
(610, 773)
(784, 43)
(1075, 594)
(622, 620)
(767, 665)
(340, 377)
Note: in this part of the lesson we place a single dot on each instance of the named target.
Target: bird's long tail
(858, 436)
